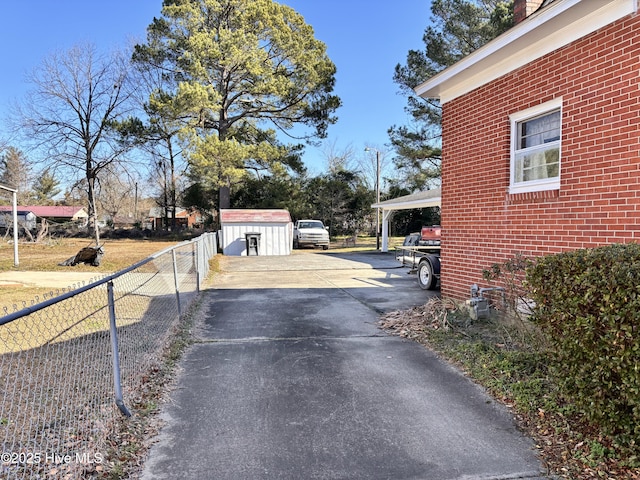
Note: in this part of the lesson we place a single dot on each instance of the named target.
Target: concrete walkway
(291, 379)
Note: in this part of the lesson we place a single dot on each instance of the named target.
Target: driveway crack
(232, 341)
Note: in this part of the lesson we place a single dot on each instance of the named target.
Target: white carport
(427, 198)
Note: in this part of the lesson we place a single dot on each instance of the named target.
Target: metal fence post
(196, 252)
(175, 277)
(72, 328)
(115, 352)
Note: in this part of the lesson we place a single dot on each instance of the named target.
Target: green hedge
(588, 306)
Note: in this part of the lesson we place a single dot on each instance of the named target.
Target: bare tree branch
(77, 96)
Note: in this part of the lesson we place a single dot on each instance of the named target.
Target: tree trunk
(44, 230)
(225, 197)
(224, 192)
(173, 187)
(93, 228)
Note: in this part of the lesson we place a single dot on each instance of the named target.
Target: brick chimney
(523, 8)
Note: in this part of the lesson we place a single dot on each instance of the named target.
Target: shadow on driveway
(290, 378)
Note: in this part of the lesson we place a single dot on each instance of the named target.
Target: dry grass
(44, 257)
(56, 390)
(362, 243)
(119, 254)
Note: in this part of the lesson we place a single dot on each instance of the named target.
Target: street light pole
(367, 149)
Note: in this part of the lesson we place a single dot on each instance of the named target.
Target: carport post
(385, 229)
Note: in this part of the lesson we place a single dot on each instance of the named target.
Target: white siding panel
(275, 238)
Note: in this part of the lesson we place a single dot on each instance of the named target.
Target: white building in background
(273, 230)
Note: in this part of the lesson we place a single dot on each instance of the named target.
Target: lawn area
(44, 257)
(362, 243)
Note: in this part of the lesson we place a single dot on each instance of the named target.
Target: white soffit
(549, 29)
(424, 199)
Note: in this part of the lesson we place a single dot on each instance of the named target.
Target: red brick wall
(523, 8)
(598, 202)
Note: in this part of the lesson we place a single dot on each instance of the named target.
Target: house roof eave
(424, 199)
(548, 29)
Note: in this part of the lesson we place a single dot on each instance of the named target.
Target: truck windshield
(311, 225)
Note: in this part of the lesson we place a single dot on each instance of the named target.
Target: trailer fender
(428, 272)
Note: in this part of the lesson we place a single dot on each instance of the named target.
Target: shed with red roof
(270, 232)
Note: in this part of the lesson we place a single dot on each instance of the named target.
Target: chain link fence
(70, 365)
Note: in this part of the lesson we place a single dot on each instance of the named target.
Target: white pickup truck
(310, 233)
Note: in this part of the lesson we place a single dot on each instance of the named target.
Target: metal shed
(272, 228)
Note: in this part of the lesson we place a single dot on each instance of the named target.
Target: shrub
(516, 307)
(588, 306)
(510, 274)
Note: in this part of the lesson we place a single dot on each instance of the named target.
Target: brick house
(185, 218)
(541, 138)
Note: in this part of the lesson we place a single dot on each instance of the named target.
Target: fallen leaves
(435, 315)
(571, 448)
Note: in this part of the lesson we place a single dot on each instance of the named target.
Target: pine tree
(15, 172)
(241, 71)
(458, 27)
(45, 188)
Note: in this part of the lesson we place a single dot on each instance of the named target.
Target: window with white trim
(535, 148)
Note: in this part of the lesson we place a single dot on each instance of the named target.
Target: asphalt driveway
(291, 379)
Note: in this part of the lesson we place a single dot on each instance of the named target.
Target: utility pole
(367, 149)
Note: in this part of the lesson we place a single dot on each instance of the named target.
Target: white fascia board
(8, 189)
(553, 27)
(406, 205)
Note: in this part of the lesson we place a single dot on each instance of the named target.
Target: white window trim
(515, 118)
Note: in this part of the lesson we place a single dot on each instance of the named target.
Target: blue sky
(365, 39)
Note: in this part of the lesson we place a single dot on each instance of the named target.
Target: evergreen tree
(458, 27)
(240, 71)
(341, 200)
(45, 188)
(15, 172)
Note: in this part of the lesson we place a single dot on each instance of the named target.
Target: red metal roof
(48, 211)
(254, 216)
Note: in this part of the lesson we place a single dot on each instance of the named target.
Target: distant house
(274, 230)
(54, 214)
(119, 221)
(541, 138)
(26, 219)
(184, 218)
